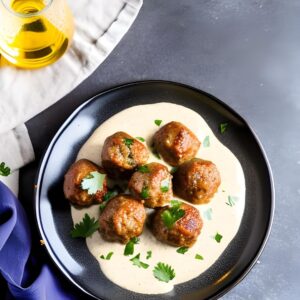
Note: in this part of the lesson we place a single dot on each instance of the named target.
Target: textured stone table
(245, 52)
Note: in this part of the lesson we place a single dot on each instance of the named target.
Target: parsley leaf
(145, 192)
(85, 228)
(93, 182)
(136, 262)
(143, 169)
(129, 248)
(4, 170)
(149, 254)
(218, 237)
(232, 200)
(172, 214)
(108, 256)
(206, 142)
(223, 127)
(140, 138)
(182, 250)
(106, 198)
(163, 272)
(198, 256)
(158, 122)
(156, 154)
(128, 142)
(164, 186)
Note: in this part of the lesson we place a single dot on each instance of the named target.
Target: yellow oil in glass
(38, 42)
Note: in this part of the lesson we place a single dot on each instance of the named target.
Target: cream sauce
(225, 219)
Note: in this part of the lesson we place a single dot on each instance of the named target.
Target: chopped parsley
(140, 138)
(108, 256)
(93, 182)
(164, 186)
(198, 256)
(156, 154)
(163, 272)
(136, 262)
(85, 228)
(206, 142)
(172, 214)
(223, 127)
(218, 237)
(129, 248)
(232, 200)
(4, 170)
(182, 250)
(149, 254)
(106, 198)
(128, 142)
(158, 122)
(145, 192)
(143, 169)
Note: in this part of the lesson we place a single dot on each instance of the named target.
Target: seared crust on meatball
(176, 143)
(73, 179)
(184, 232)
(122, 153)
(197, 181)
(122, 219)
(153, 184)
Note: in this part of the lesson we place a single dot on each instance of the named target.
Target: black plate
(53, 212)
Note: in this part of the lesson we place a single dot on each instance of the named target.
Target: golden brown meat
(176, 143)
(122, 153)
(153, 184)
(184, 232)
(196, 181)
(73, 189)
(122, 219)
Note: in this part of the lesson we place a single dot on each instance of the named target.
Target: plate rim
(45, 156)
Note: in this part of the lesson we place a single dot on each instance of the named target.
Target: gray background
(245, 52)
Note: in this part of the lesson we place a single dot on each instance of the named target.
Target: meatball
(153, 184)
(184, 231)
(196, 181)
(176, 143)
(122, 219)
(122, 153)
(73, 189)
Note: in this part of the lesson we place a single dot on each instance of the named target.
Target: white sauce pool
(225, 219)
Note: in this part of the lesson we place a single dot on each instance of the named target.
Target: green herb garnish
(156, 154)
(218, 237)
(136, 262)
(140, 138)
(143, 169)
(164, 186)
(4, 170)
(106, 198)
(173, 170)
(149, 254)
(158, 122)
(85, 228)
(172, 214)
(182, 250)
(108, 256)
(93, 182)
(198, 256)
(145, 192)
(129, 248)
(232, 200)
(206, 142)
(128, 142)
(223, 127)
(163, 272)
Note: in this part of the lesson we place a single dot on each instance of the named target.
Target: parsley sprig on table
(129, 248)
(93, 182)
(172, 214)
(4, 170)
(85, 228)
(163, 272)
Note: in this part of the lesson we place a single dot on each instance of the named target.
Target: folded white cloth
(99, 26)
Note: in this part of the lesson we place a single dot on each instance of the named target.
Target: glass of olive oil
(34, 33)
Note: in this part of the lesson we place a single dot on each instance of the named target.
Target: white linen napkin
(99, 26)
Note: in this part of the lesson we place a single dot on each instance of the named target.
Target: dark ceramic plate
(53, 212)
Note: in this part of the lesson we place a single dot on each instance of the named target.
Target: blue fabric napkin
(24, 276)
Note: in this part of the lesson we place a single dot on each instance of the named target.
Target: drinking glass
(34, 33)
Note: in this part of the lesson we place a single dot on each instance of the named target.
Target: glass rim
(23, 15)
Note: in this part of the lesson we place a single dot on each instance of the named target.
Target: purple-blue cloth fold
(22, 273)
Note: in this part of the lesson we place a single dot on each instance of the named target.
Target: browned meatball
(196, 181)
(153, 184)
(184, 232)
(121, 153)
(122, 219)
(176, 143)
(73, 189)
